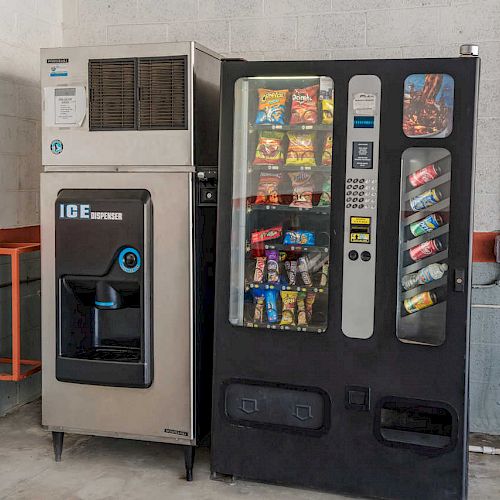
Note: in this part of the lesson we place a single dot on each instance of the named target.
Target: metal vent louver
(112, 94)
(162, 93)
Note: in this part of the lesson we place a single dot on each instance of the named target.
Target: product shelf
(437, 257)
(299, 128)
(324, 210)
(286, 328)
(440, 231)
(415, 216)
(289, 248)
(442, 179)
(290, 168)
(297, 288)
(425, 288)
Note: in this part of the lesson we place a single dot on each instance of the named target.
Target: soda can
(424, 175)
(426, 199)
(425, 249)
(419, 302)
(426, 225)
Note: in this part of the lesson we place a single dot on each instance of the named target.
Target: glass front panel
(423, 243)
(283, 148)
(428, 105)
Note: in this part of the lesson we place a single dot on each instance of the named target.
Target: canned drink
(424, 175)
(426, 225)
(419, 302)
(425, 249)
(426, 199)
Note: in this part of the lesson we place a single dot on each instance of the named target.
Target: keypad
(361, 193)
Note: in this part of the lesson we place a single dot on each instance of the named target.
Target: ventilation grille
(162, 93)
(112, 94)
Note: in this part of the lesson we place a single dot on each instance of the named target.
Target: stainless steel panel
(358, 290)
(164, 412)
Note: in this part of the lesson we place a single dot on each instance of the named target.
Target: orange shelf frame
(14, 250)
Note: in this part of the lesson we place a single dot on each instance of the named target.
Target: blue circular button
(129, 260)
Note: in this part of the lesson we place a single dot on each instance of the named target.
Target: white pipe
(487, 450)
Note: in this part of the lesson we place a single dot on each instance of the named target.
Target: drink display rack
(260, 216)
(426, 323)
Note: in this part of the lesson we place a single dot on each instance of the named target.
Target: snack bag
(299, 237)
(326, 157)
(289, 299)
(271, 305)
(305, 106)
(267, 191)
(301, 149)
(324, 275)
(273, 275)
(291, 271)
(303, 265)
(271, 106)
(266, 234)
(269, 148)
(326, 195)
(302, 189)
(259, 301)
(301, 309)
(327, 110)
(260, 265)
(310, 298)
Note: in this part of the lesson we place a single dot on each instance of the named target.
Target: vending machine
(128, 214)
(343, 275)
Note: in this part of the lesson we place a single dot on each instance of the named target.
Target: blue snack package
(271, 305)
(299, 237)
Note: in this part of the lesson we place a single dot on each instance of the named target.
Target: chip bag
(260, 266)
(289, 300)
(301, 149)
(271, 296)
(259, 301)
(271, 106)
(301, 309)
(326, 157)
(273, 271)
(326, 100)
(269, 148)
(325, 199)
(305, 106)
(267, 191)
(302, 189)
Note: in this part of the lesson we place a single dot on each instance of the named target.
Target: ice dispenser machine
(103, 274)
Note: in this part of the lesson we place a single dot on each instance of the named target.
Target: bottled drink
(424, 175)
(427, 274)
(425, 249)
(426, 225)
(419, 302)
(426, 199)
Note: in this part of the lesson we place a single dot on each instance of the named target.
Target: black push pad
(276, 406)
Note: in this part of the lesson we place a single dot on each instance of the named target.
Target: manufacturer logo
(56, 146)
(178, 433)
(83, 211)
(62, 60)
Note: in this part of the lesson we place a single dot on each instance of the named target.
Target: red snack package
(305, 105)
(267, 191)
(302, 189)
(266, 234)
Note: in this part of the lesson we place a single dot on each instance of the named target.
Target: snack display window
(280, 235)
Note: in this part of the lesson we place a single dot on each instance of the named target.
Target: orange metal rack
(14, 250)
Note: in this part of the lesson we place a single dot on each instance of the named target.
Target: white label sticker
(364, 104)
(65, 106)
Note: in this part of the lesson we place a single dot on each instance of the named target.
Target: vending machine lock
(207, 186)
(459, 280)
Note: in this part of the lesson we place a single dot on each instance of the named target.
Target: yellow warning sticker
(360, 220)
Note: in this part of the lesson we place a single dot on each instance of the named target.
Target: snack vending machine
(128, 214)
(341, 328)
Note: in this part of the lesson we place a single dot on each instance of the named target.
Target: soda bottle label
(425, 249)
(419, 302)
(424, 175)
(424, 200)
(426, 225)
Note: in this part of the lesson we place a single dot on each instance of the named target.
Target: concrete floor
(105, 468)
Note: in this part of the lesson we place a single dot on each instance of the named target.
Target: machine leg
(189, 461)
(57, 441)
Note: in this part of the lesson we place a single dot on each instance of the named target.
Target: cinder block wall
(25, 26)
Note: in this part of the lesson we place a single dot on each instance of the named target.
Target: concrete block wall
(25, 26)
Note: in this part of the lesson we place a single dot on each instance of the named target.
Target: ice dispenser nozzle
(107, 297)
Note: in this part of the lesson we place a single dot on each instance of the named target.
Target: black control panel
(206, 182)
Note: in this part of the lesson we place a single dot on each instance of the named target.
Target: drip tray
(123, 355)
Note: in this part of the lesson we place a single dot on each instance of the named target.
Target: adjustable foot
(189, 461)
(57, 441)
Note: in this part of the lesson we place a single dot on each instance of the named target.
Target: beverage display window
(423, 240)
(280, 236)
